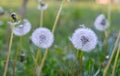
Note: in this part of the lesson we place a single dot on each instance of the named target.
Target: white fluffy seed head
(42, 6)
(39, 0)
(1, 11)
(101, 23)
(42, 37)
(84, 39)
(23, 28)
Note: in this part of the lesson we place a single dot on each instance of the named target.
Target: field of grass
(62, 54)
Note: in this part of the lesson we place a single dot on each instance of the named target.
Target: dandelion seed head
(1, 11)
(84, 39)
(42, 37)
(42, 6)
(23, 28)
(39, 0)
(101, 23)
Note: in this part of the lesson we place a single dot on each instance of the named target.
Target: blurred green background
(62, 54)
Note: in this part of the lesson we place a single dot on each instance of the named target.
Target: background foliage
(62, 54)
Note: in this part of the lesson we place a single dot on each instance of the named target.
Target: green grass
(58, 62)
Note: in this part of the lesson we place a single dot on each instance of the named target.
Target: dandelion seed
(42, 6)
(23, 28)
(1, 11)
(42, 37)
(84, 39)
(101, 23)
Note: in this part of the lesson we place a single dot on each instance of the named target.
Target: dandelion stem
(74, 63)
(106, 33)
(109, 11)
(9, 51)
(115, 63)
(106, 42)
(41, 18)
(16, 55)
(37, 57)
(38, 51)
(57, 16)
(114, 49)
(43, 60)
(80, 70)
(53, 30)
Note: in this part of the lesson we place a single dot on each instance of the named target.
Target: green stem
(114, 49)
(41, 18)
(36, 61)
(43, 60)
(106, 33)
(106, 42)
(115, 63)
(57, 16)
(16, 55)
(9, 51)
(74, 63)
(80, 69)
(53, 30)
(38, 51)
(109, 11)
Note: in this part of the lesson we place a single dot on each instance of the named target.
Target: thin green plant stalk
(74, 63)
(9, 51)
(57, 17)
(114, 49)
(36, 61)
(38, 51)
(41, 18)
(106, 32)
(43, 60)
(115, 63)
(53, 30)
(16, 55)
(109, 11)
(80, 69)
(106, 42)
